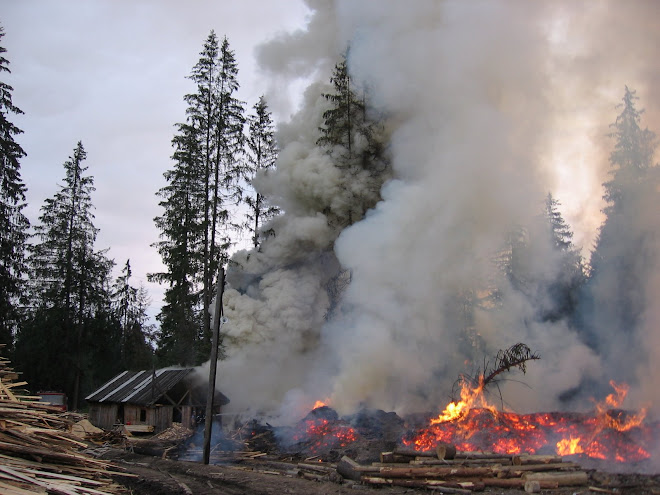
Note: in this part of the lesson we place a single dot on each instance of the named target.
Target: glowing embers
(608, 434)
(322, 430)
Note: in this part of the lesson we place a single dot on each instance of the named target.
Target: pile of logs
(38, 454)
(448, 471)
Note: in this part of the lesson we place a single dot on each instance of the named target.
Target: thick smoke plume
(490, 105)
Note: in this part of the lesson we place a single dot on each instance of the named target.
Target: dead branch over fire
(38, 452)
(515, 356)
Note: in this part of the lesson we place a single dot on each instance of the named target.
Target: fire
(470, 397)
(321, 434)
(319, 403)
(621, 422)
(569, 446)
(471, 424)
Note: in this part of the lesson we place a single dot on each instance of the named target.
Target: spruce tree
(224, 190)
(346, 115)
(14, 224)
(540, 262)
(180, 247)
(631, 161)
(563, 288)
(352, 135)
(129, 306)
(624, 249)
(261, 158)
(198, 201)
(124, 297)
(70, 330)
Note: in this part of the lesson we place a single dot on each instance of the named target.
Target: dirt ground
(157, 476)
(167, 477)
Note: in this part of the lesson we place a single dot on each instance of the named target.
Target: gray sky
(112, 74)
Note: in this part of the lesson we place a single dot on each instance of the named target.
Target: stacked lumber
(448, 471)
(38, 453)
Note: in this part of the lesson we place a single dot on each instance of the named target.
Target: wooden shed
(151, 400)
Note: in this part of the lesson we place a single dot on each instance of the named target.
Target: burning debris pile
(470, 446)
(608, 434)
(608, 437)
(544, 433)
(320, 433)
(480, 449)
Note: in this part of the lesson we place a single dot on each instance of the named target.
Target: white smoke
(479, 96)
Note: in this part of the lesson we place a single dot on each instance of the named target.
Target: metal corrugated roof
(139, 387)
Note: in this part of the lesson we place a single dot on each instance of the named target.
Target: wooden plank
(19, 476)
(139, 428)
(60, 476)
(6, 390)
(7, 489)
(15, 384)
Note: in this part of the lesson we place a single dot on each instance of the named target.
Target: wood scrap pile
(448, 471)
(38, 453)
(108, 437)
(253, 436)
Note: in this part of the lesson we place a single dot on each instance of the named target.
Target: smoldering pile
(321, 435)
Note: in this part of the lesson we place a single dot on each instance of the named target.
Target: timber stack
(38, 452)
(449, 471)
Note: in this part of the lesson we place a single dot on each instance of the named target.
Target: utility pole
(217, 319)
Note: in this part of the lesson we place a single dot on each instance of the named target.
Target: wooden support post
(208, 424)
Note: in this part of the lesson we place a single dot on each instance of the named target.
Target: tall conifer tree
(625, 248)
(198, 199)
(224, 189)
(14, 224)
(129, 306)
(261, 158)
(563, 288)
(70, 316)
(180, 247)
(353, 135)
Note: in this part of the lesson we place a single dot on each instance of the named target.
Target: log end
(532, 486)
(445, 451)
(346, 468)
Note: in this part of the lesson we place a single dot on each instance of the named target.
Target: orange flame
(470, 398)
(614, 400)
(569, 446)
(471, 424)
(319, 403)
